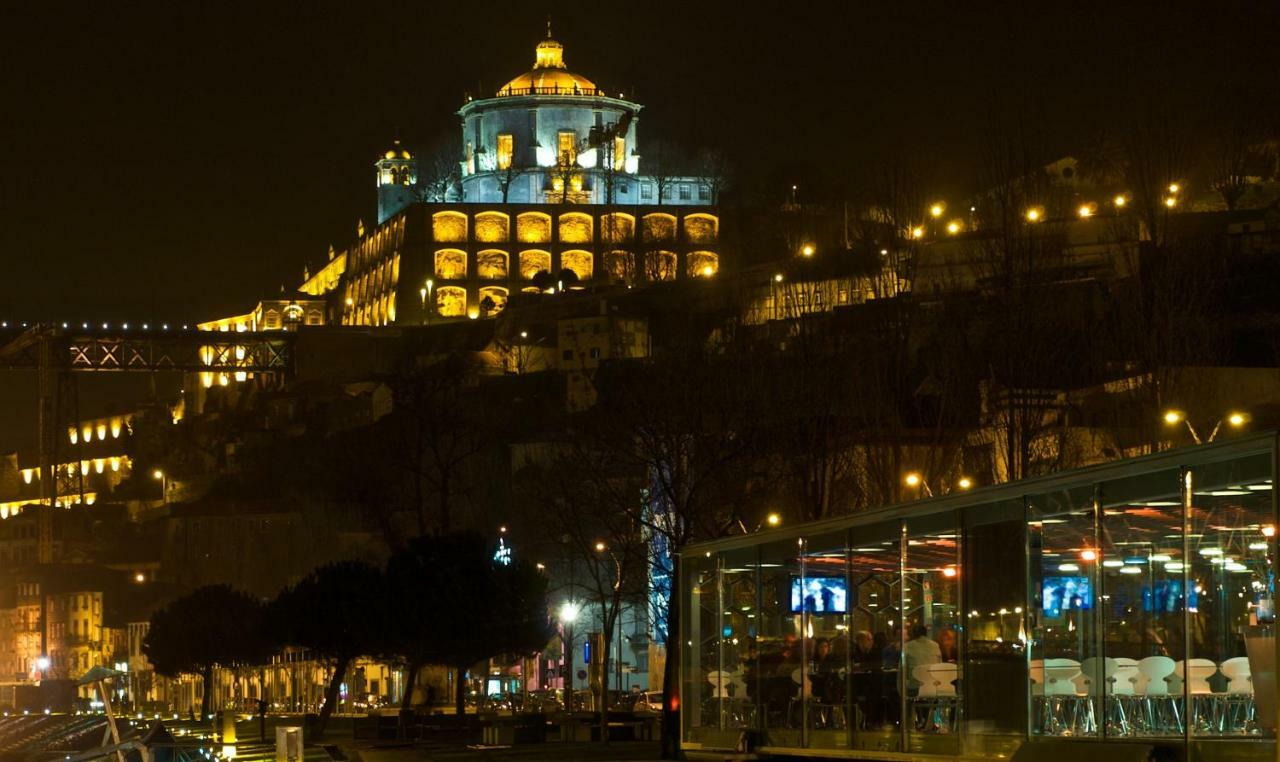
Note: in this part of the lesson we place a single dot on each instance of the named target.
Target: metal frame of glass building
(1126, 603)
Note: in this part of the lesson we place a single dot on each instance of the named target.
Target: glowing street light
(600, 546)
(917, 232)
(569, 611)
(953, 227)
(1088, 554)
(1235, 419)
(773, 519)
(1171, 201)
(1085, 211)
(777, 277)
(937, 209)
(912, 479)
(1119, 201)
(965, 482)
(1174, 188)
(808, 250)
(1034, 214)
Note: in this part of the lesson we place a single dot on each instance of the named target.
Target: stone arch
(617, 227)
(575, 227)
(701, 227)
(534, 261)
(580, 262)
(492, 227)
(451, 264)
(533, 227)
(451, 301)
(702, 264)
(659, 226)
(499, 296)
(661, 265)
(491, 264)
(449, 227)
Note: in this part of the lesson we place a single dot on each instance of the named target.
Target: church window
(619, 154)
(580, 262)
(646, 191)
(685, 192)
(622, 188)
(504, 152)
(704, 193)
(567, 147)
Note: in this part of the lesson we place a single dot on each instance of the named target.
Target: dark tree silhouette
(458, 606)
(336, 613)
(215, 625)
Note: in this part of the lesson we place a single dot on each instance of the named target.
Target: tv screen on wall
(819, 595)
(1062, 594)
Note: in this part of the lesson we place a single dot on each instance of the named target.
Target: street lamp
(159, 476)
(425, 293)
(914, 480)
(773, 519)
(964, 483)
(1120, 200)
(937, 209)
(1034, 214)
(569, 611)
(953, 227)
(1235, 419)
(808, 250)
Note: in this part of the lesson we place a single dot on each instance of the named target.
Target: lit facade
(1128, 602)
(437, 262)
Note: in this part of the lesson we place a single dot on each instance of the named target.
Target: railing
(590, 92)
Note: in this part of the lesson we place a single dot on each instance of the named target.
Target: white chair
(935, 700)
(1100, 679)
(1062, 699)
(1203, 712)
(1160, 702)
(1238, 710)
(720, 682)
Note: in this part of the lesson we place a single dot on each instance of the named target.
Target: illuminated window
(701, 228)
(686, 193)
(702, 264)
(533, 262)
(661, 265)
(617, 227)
(451, 301)
(470, 159)
(567, 147)
(575, 227)
(492, 300)
(621, 265)
(451, 264)
(492, 227)
(492, 264)
(659, 227)
(619, 154)
(579, 262)
(449, 227)
(646, 191)
(504, 151)
(533, 227)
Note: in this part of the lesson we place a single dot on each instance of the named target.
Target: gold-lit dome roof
(397, 151)
(549, 75)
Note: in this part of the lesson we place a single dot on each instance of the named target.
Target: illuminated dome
(549, 75)
(397, 151)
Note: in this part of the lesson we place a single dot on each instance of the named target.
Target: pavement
(552, 751)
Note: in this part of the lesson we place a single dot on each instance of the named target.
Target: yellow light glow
(139, 577)
(777, 278)
(26, 475)
(74, 435)
(1120, 200)
(1174, 188)
(964, 483)
(1088, 555)
(708, 271)
(99, 465)
(102, 431)
(115, 464)
(953, 227)
(807, 250)
(1034, 214)
(913, 479)
(1085, 211)
(1269, 531)
(1170, 202)
(949, 571)
(157, 474)
(1173, 416)
(917, 231)
(115, 429)
(937, 209)
(773, 519)
(473, 313)
(599, 547)
(1237, 419)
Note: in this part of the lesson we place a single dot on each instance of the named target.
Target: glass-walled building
(1126, 603)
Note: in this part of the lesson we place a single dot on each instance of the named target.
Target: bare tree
(714, 173)
(440, 171)
(663, 164)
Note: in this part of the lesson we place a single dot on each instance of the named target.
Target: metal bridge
(57, 352)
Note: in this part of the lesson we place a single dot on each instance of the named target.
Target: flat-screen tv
(1165, 597)
(819, 595)
(1061, 594)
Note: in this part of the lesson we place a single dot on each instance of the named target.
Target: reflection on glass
(1231, 594)
(823, 597)
(931, 653)
(876, 651)
(781, 645)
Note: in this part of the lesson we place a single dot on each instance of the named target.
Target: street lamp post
(425, 293)
(568, 615)
(163, 478)
(1234, 419)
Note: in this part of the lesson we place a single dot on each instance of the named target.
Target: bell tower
(397, 173)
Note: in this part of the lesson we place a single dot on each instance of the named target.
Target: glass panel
(824, 596)
(1063, 545)
(1232, 582)
(781, 644)
(932, 615)
(994, 576)
(738, 685)
(875, 619)
(1141, 601)
(701, 646)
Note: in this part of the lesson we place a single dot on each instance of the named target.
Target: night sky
(178, 160)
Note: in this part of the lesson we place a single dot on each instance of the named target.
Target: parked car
(648, 701)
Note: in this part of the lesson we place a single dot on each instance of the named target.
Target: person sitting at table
(947, 645)
(920, 651)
